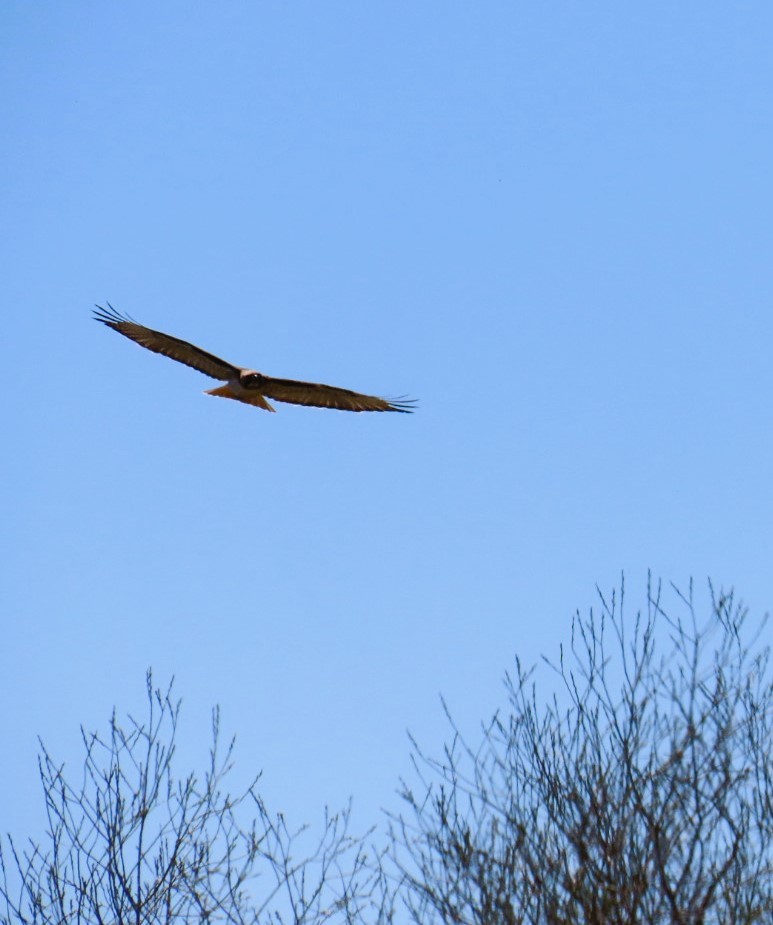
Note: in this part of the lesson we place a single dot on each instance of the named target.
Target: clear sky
(548, 222)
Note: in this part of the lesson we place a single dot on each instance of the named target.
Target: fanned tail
(254, 398)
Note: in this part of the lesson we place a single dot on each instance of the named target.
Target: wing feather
(328, 396)
(165, 344)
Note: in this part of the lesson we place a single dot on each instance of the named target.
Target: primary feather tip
(404, 405)
(110, 316)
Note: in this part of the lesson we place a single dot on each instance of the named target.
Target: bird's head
(250, 379)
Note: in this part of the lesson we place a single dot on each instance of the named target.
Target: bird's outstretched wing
(327, 396)
(169, 346)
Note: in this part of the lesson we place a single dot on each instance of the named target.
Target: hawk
(245, 385)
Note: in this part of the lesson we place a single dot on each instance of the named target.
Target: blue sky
(550, 223)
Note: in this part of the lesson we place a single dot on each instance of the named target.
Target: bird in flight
(245, 385)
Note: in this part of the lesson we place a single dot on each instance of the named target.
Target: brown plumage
(245, 385)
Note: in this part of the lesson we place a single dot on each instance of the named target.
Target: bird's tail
(254, 398)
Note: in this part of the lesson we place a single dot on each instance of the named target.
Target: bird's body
(240, 390)
(245, 385)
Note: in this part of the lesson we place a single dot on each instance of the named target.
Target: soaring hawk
(245, 385)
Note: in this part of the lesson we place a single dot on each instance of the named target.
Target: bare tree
(641, 792)
(133, 843)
